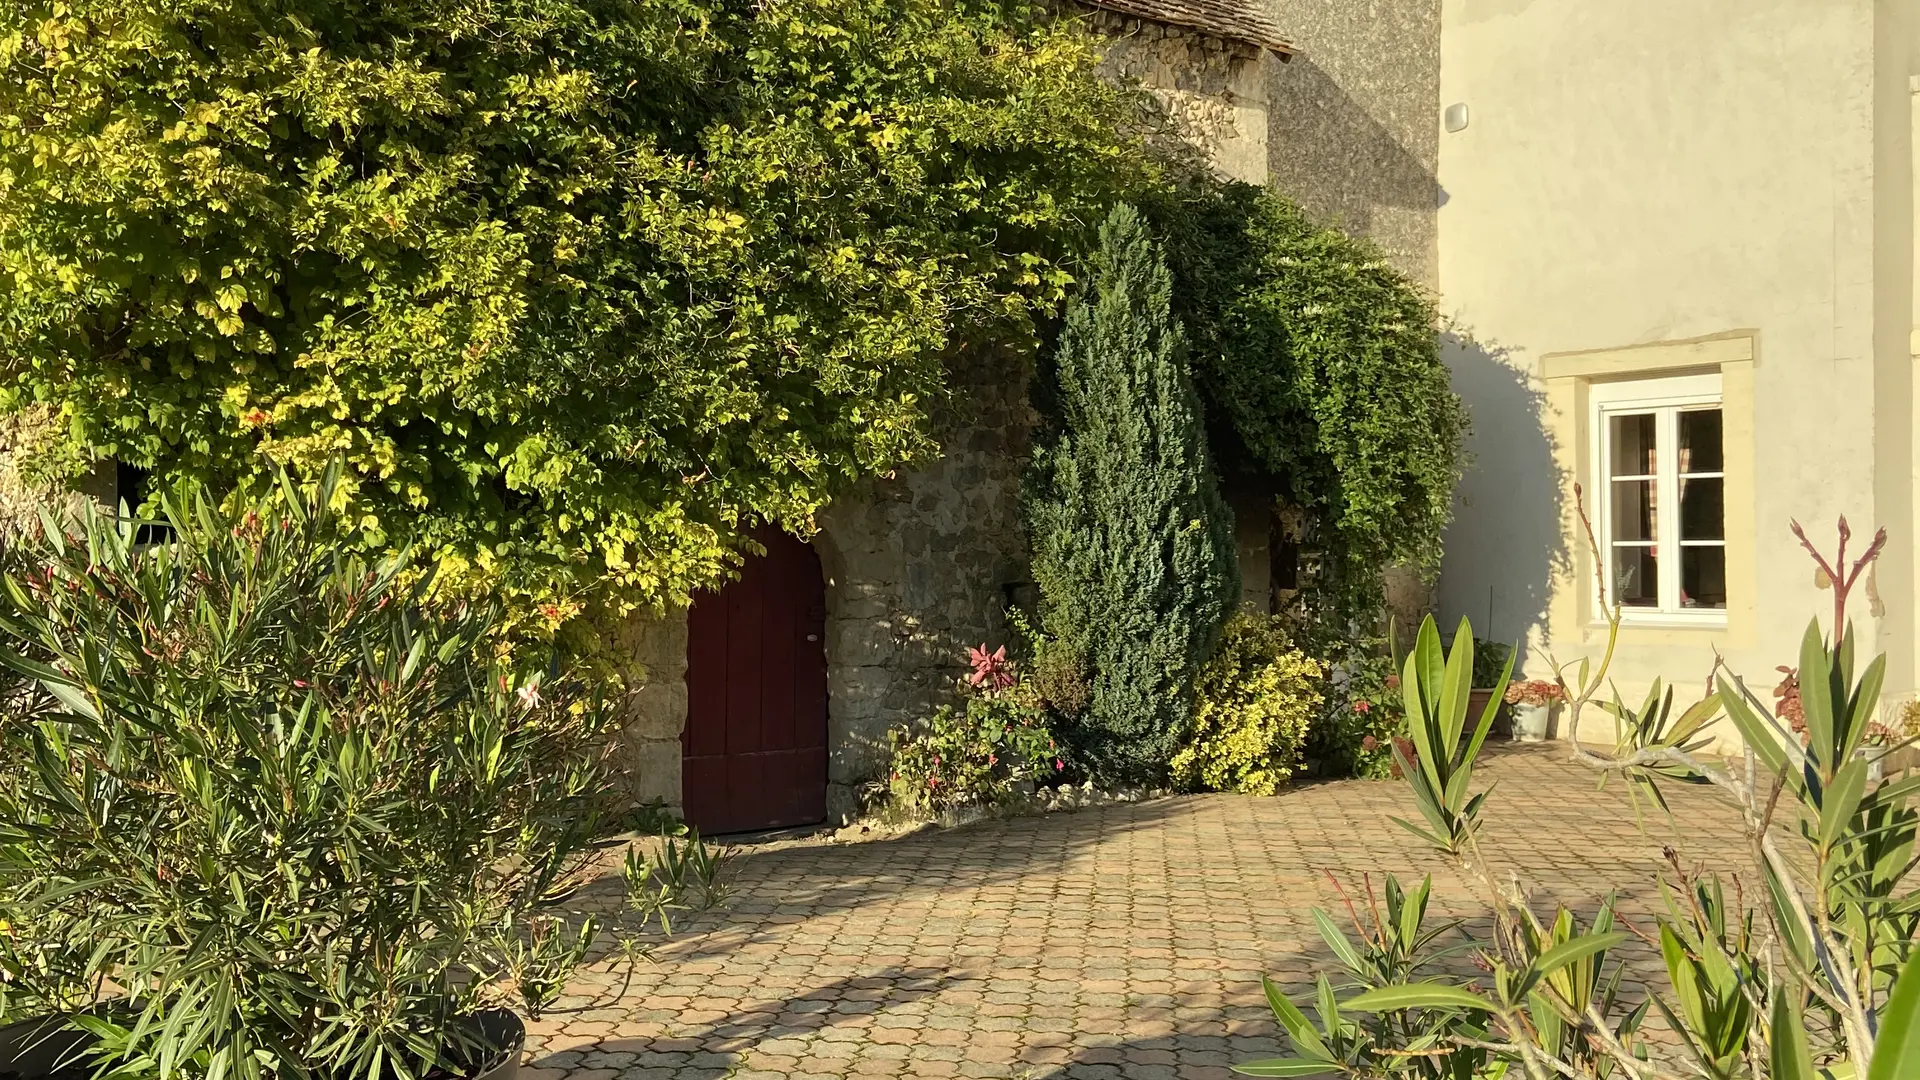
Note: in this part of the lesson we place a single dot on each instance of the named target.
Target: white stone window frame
(1665, 398)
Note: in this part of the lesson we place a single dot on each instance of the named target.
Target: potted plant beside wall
(268, 810)
(1489, 673)
(1533, 703)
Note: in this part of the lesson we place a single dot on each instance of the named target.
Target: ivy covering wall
(1319, 365)
(573, 287)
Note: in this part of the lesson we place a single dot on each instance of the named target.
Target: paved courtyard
(1120, 942)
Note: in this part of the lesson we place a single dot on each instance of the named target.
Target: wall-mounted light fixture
(1456, 116)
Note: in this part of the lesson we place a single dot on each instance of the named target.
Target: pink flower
(1058, 764)
(993, 759)
(300, 684)
(1361, 706)
(990, 669)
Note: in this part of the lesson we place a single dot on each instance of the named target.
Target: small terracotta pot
(1477, 704)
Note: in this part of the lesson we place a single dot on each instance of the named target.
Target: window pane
(1631, 439)
(1703, 577)
(1636, 577)
(1633, 517)
(1700, 441)
(1703, 508)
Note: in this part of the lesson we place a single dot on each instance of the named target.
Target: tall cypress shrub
(1132, 545)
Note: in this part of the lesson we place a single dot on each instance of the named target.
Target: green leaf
(1697, 716)
(1789, 1055)
(1816, 695)
(1287, 1067)
(1416, 995)
(1896, 1052)
(1426, 664)
(1840, 800)
(1413, 909)
(1863, 706)
(1758, 734)
(1455, 687)
(1680, 975)
(1305, 1039)
(1574, 950)
(1327, 1005)
(1343, 949)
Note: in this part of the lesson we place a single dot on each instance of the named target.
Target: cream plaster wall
(1644, 172)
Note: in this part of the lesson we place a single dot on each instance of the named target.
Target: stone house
(767, 703)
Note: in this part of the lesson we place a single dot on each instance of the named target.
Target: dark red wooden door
(754, 752)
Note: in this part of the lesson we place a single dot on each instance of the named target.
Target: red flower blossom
(1361, 706)
(1058, 764)
(990, 669)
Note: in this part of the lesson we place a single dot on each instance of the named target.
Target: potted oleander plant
(270, 810)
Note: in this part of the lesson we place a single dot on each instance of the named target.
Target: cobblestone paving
(1121, 942)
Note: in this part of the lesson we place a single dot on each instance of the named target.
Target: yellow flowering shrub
(1255, 699)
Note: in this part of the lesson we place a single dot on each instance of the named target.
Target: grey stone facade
(652, 653)
(920, 566)
(1354, 135)
(1354, 138)
(1212, 92)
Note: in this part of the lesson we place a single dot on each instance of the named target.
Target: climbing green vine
(574, 288)
(1319, 364)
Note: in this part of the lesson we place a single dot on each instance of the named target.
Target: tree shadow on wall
(1327, 152)
(1506, 542)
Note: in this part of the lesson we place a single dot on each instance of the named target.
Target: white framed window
(1659, 498)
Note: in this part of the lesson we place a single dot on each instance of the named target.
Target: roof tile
(1240, 20)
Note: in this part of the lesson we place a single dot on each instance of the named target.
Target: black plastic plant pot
(44, 1048)
(501, 1029)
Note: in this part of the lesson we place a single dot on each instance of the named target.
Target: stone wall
(919, 567)
(1212, 92)
(923, 564)
(651, 652)
(1355, 131)
(1354, 138)
(21, 496)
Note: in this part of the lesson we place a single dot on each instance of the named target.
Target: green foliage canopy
(573, 287)
(1132, 545)
(1319, 364)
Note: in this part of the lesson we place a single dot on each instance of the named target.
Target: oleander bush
(1804, 970)
(269, 809)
